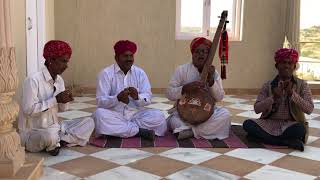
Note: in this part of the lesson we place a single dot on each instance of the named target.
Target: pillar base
(32, 169)
(10, 167)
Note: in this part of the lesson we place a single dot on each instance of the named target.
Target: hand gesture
(64, 97)
(123, 96)
(133, 93)
(193, 86)
(210, 78)
(277, 93)
(288, 87)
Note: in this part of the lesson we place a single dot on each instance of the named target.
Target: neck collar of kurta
(47, 75)
(195, 67)
(117, 68)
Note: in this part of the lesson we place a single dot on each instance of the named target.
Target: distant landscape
(310, 54)
(311, 50)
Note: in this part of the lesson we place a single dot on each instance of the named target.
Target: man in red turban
(285, 53)
(57, 48)
(123, 90)
(198, 41)
(57, 55)
(283, 102)
(199, 48)
(186, 79)
(44, 95)
(124, 45)
(124, 52)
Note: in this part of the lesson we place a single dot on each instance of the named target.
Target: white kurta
(124, 120)
(218, 125)
(39, 127)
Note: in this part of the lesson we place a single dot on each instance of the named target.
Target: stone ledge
(10, 167)
(32, 169)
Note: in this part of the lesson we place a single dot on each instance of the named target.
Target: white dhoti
(113, 123)
(75, 132)
(217, 126)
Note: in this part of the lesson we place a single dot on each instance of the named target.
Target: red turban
(123, 46)
(56, 48)
(285, 53)
(198, 41)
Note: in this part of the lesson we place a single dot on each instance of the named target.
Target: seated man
(43, 95)
(186, 78)
(283, 102)
(123, 90)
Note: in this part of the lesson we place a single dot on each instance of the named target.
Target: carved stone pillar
(12, 154)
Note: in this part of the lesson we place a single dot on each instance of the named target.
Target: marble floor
(185, 163)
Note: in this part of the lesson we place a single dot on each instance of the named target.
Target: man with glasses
(187, 79)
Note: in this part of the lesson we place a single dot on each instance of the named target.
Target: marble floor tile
(53, 174)
(314, 132)
(311, 139)
(262, 156)
(159, 165)
(160, 106)
(85, 166)
(237, 124)
(78, 106)
(315, 144)
(316, 100)
(199, 173)
(190, 155)
(312, 116)
(317, 106)
(249, 114)
(123, 173)
(271, 172)
(159, 99)
(73, 114)
(232, 165)
(240, 106)
(233, 100)
(84, 99)
(298, 164)
(64, 155)
(314, 124)
(122, 156)
(310, 152)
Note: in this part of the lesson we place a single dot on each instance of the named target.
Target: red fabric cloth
(224, 48)
(286, 53)
(123, 46)
(198, 41)
(224, 53)
(56, 48)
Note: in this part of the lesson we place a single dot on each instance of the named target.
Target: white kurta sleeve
(174, 89)
(217, 89)
(145, 94)
(103, 96)
(60, 88)
(31, 104)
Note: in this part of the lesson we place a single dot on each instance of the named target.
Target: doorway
(35, 35)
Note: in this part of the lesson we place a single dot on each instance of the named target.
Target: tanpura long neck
(213, 48)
